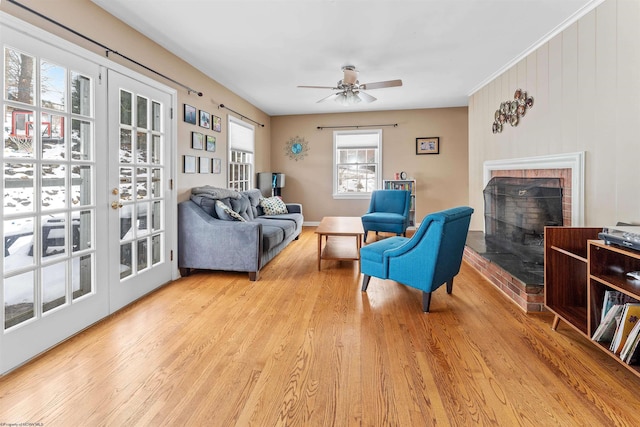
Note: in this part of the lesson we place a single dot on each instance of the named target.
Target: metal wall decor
(296, 148)
(511, 111)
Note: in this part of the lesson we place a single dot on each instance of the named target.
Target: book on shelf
(608, 325)
(631, 345)
(628, 319)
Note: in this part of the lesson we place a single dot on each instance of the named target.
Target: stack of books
(619, 326)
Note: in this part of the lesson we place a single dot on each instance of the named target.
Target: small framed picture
(205, 165)
(430, 145)
(217, 124)
(190, 114)
(205, 119)
(197, 140)
(189, 164)
(211, 143)
(217, 165)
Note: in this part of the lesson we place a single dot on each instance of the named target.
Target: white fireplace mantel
(573, 161)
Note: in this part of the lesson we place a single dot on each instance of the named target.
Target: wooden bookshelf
(578, 269)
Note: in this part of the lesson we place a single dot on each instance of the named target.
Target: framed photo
(211, 143)
(430, 145)
(190, 114)
(217, 124)
(189, 164)
(197, 140)
(217, 165)
(205, 119)
(205, 165)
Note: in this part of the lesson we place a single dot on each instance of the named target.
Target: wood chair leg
(450, 286)
(254, 275)
(426, 301)
(365, 282)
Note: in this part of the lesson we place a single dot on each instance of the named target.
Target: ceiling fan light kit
(350, 89)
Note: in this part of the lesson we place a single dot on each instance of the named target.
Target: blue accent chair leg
(426, 301)
(450, 286)
(365, 282)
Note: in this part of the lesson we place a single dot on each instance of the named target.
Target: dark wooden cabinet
(578, 269)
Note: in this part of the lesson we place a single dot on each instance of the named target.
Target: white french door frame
(49, 335)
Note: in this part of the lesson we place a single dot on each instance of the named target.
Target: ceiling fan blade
(366, 97)
(327, 98)
(319, 87)
(379, 85)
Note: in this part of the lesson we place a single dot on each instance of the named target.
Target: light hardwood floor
(307, 348)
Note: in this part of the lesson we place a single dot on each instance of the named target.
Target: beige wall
(92, 21)
(586, 86)
(441, 179)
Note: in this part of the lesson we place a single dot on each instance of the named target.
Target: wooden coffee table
(339, 234)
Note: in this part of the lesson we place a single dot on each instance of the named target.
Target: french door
(87, 216)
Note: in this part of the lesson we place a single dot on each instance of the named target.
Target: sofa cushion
(288, 227)
(243, 207)
(273, 206)
(272, 236)
(208, 205)
(254, 197)
(226, 213)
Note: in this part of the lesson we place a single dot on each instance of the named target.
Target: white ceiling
(443, 50)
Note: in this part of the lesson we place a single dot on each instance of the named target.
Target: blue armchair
(431, 257)
(388, 211)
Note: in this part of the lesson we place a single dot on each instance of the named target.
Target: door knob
(116, 205)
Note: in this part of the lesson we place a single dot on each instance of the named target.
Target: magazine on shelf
(612, 298)
(631, 344)
(607, 327)
(629, 317)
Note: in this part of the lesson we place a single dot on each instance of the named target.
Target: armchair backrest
(390, 201)
(436, 247)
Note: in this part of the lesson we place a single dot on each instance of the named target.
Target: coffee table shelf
(343, 239)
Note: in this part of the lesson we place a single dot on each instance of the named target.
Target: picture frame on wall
(189, 163)
(205, 165)
(217, 165)
(217, 124)
(211, 143)
(197, 140)
(428, 145)
(205, 119)
(190, 114)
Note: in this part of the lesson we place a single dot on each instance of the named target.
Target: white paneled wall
(586, 87)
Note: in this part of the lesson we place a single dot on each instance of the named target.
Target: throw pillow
(225, 212)
(273, 206)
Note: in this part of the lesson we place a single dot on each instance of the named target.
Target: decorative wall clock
(296, 148)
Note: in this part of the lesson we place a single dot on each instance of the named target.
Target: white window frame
(247, 147)
(336, 147)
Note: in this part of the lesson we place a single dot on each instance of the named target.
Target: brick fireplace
(523, 281)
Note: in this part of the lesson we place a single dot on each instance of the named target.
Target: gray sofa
(205, 241)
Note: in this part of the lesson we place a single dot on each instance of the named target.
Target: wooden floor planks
(307, 348)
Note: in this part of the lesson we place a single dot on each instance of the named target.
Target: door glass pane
(142, 254)
(156, 249)
(125, 146)
(80, 94)
(126, 213)
(157, 114)
(82, 230)
(142, 111)
(142, 219)
(18, 243)
(54, 233)
(81, 275)
(54, 145)
(125, 260)
(81, 140)
(126, 101)
(81, 185)
(18, 188)
(126, 188)
(142, 188)
(54, 181)
(53, 86)
(18, 133)
(19, 76)
(18, 299)
(156, 216)
(141, 147)
(156, 149)
(156, 188)
(54, 279)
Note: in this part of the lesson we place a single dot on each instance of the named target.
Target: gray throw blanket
(215, 192)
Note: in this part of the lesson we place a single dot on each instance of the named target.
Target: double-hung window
(357, 163)
(241, 154)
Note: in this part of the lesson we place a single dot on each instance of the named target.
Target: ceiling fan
(350, 90)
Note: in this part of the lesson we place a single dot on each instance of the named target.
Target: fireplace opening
(516, 210)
